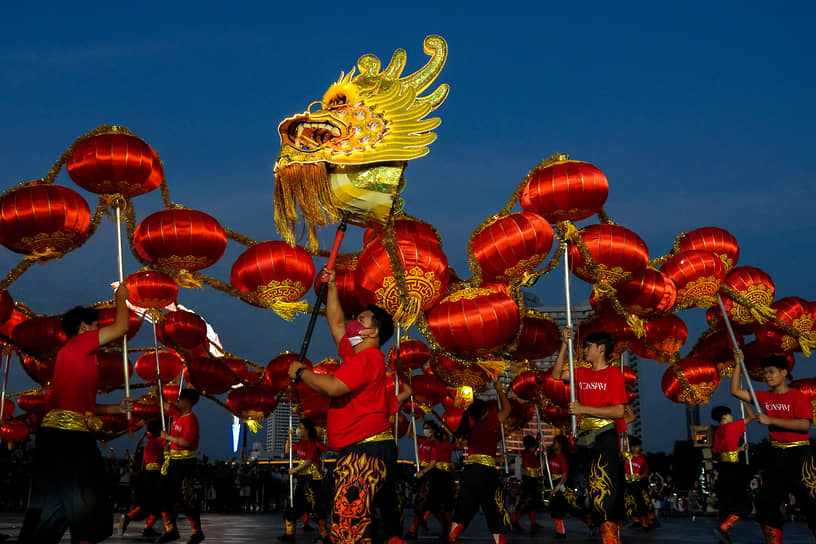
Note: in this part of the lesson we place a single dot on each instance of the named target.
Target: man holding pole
(358, 423)
(68, 487)
(601, 397)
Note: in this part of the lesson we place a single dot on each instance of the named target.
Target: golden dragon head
(349, 155)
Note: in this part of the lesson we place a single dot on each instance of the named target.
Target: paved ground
(263, 528)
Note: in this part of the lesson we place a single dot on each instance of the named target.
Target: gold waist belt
(388, 434)
(589, 423)
(557, 476)
(312, 471)
(153, 466)
(477, 459)
(182, 454)
(72, 421)
(729, 457)
(423, 464)
(447, 467)
(532, 472)
(786, 445)
(633, 477)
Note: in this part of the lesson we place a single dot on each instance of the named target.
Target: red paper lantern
(666, 334)
(474, 322)
(13, 431)
(111, 369)
(456, 374)
(112, 426)
(649, 292)
(617, 251)
(253, 402)
(14, 319)
(429, 390)
(181, 328)
(115, 162)
(698, 275)
(555, 415)
(33, 403)
(557, 390)
(404, 225)
(565, 190)
(521, 413)
(755, 352)
(239, 368)
(6, 306)
(210, 375)
(527, 386)
(108, 315)
(170, 366)
(345, 270)
(414, 354)
(702, 376)
(426, 274)
(751, 283)
(277, 370)
(539, 337)
(274, 271)
(43, 219)
(629, 375)
(151, 289)
(793, 311)
(808, 388)
(146, 407)
(512, 246)
(8, 408)
(180, 239)
(171, 392)
(313, 405)
(402, 424)
(611, 323)
(40, 371)
(42, 337)
(452, 418)
(718, 241)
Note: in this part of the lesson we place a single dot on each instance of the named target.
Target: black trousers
(180, 492)
(792, 470)
(422, 494)
(636, 499)
(732, 489)
(480, 487)
(67, 490)
(530, 494)
(440, 491)
(566, 502)
(602, 469)
(306, 499)
(147, 492)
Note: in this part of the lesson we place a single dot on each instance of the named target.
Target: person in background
(732, 475)
(639, 505)
(426, 451)
(530, 483)
(149, 486)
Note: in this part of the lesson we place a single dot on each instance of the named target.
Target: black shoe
(124, 521)
(722, 535)
(308, 528)
(195, 538)
(287, 538)
(169, 537)
(560, 536)
(410, 535)
(150, 532)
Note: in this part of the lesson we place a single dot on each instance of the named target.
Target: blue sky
(698, 113)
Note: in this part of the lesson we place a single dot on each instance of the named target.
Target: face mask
(428, 433)
(353, 329)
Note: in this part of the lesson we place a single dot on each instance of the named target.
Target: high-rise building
(277, 429)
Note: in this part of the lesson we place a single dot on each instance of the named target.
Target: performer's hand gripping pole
(570, 347)
(118, 206)
(738, 354)
(543, 457)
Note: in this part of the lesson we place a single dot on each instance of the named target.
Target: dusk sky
(699, 114)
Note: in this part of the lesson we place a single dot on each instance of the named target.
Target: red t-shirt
(76, 375)
(638, 465)
(364, 411)
(444, 450)
(185, 427)
(559, 464)
(600, 388)
(311, 449)
(529, 459)
(486, 434)
(425, 449)
(727, 437)
(154, 450)
(791, 405)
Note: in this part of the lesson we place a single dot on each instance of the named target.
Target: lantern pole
(158, 375)
(503, 440)
(570, 348)
(396, 384)
(5, 382)
(413, 426)
(745, 432)
(118, 206)
(543, 458)
(738, 354)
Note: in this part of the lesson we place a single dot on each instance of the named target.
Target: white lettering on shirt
(595, 386)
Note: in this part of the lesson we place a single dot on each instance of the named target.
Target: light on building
(236, 432)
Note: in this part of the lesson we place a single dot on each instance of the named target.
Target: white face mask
(428, 433)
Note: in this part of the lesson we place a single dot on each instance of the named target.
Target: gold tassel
(287, 310)
(807, 341)
(637, 325)
(493, 367)
(253, 425)
(761, 313)
(407, 315)
(187, 280)
(603, 290)
(570, 230)
(43, 255)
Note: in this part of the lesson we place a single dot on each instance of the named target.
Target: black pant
(440, 491)
(602, 469)
(180, 492)
(792, 470)
(732, 489)
(480, 486)
(530, 494)
(67, 490)
(636, 499)
(306, 499)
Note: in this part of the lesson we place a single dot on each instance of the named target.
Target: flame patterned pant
(602, 469)
(792, 470)
(636, 499)
(480, 486)
(306, 499)
(732, 489)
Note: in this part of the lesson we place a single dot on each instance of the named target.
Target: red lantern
(617, 251)
(527, 386)
(146, 407)
(108, 315)
(414, 354)
(253, 402)
(557, 390)
(43, 219)
(512, 246)
(718, 241)
(345, 270)
(40, 371)
(6, 306)
(151, 289)
(702, 377)
(452, 418)
(8, 408)
(274, 271)
(13, 431)
(808, 388)
(180, 239)
(40, 336)
(793, 311)
(715, 345)
(239, 368)
(111, 369)
(629, 375)
(521, 413)
(565, 190)
(611, 323)
(11, 323)
(456, 374)
(170, 366)
(112, 426)
(33, 403)
(210, 375)
(115, 162)
(405, 225)
(666, 334)
(649, 292)
(171, 392)
(555, 415)
(313, 405)
(428, 390)
(698, 275)
(181, 328)
(474, 322)
(755, 352)
(277, 370)
(539, 337)
(752, 284)
(402, 424)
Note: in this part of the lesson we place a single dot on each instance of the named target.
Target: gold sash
(182, 454)
(729, 457)
(589, 423)
(152, 466)
(531, 472)
(486, 460)
(379, 437)
(72, 421)
(786, 445)
(312, 471)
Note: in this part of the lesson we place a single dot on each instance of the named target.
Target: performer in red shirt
(181, 493)
(426, 451)
(358, 424)
(638, 503)
(530, 497)
(68, 488)
(788, 414)
(442, 486)
(564, 498)
(480, 428)
(309, 475)
(148, 484)
(601, 394)
(732, 475)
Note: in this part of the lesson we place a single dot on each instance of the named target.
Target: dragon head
(348, 156)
